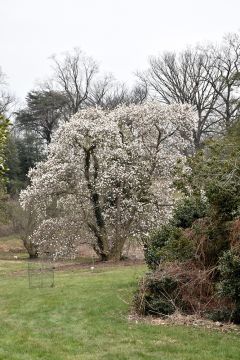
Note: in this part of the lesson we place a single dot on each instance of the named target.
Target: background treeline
(207, 77)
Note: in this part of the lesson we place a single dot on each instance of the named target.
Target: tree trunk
(31, 249)
(115, 253)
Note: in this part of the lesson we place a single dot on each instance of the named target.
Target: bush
(210, 239)
(224, 199)
(154, 243)
(168, 243)
(178, 286)
(187, 211)
(223, 315)
(229, 284)
(156, 295)
(229, 268)
(199, 250)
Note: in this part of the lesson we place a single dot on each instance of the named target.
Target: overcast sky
(119, 34)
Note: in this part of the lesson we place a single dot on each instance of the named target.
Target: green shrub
(187, 211)
(154, 243)
(224, 199)
(225, 315)
(193, 249)
(229, 284)
(218, 242)
(229, 268)
(222, 315)
(167, 244)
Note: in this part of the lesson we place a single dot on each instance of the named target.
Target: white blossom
(108, 177)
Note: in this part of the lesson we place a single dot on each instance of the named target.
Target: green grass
(11, 266)
(85, 317)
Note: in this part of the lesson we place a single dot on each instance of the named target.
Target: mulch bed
(178, 319)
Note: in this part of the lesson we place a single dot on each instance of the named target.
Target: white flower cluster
(108, 176)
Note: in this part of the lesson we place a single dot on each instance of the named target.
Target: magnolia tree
(107, 177)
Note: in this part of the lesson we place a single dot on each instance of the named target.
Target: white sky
(119, 34)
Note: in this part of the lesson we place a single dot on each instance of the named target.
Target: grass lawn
(85, 317)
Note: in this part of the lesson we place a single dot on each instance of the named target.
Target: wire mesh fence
(40, 274)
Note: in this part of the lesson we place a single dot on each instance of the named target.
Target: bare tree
(206, 77)
(182, 79)
(139, 93)
(225, 65)
(74, 74)
(100, 90)
(108, 94)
